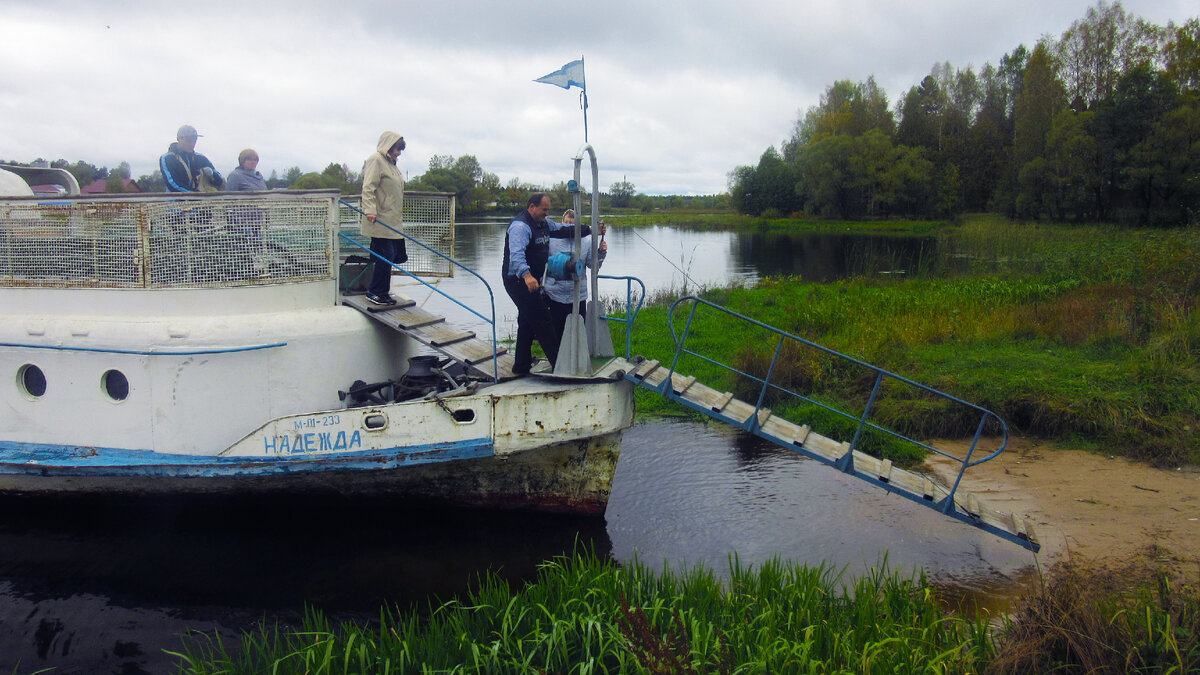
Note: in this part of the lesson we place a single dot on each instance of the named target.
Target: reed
(585, 615)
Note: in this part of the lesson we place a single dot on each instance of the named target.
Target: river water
(101, 585)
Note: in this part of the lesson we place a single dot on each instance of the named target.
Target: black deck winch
(427, 375)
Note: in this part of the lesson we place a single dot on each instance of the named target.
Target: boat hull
(569, 477)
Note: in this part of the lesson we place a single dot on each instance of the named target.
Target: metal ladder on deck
(434, 332)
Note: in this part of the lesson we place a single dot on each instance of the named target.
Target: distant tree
(469, 167)
(1169, 179)
(562, 199)
(515, 192)
(445, 180)
(84, 173)
(340, 177)
(832, 180)
(311, 181)
(920, 117)
(1182, 56)
(293, 174)
(1072, 156)
(983, 160)
(1142, 98)
(621, 193)
(1098, 48)
(949, 192)
(152, 182)
(741, 188)
(846, 108)
(441, 162)
(1042, 97)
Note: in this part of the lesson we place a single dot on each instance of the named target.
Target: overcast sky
(680, 92)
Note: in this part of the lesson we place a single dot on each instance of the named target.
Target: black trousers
(533, 321)
(392, 250)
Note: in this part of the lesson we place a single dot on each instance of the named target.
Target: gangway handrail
(630, 315)
(846, 463)
(491, 296)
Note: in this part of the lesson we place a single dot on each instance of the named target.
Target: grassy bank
(1084, 334)
(584, 615)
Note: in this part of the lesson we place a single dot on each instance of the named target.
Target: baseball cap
(186, 131)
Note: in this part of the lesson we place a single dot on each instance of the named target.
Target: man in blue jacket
(184, 169)
(526, 250)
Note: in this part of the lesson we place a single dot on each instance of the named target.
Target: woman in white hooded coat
(383, 204)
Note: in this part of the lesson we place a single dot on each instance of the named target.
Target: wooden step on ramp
(432, 331)
(918, 487)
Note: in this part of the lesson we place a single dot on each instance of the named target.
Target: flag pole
(585, 105)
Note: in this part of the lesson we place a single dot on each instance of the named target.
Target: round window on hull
(31, 381)
(115, 385)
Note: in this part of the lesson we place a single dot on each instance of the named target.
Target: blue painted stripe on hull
(36, 459)
(143, 352)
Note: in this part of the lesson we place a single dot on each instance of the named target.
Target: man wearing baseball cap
(184, 169)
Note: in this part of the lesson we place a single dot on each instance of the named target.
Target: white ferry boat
(203, 343)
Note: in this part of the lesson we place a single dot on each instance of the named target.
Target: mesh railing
(428, 216)
(167, 241)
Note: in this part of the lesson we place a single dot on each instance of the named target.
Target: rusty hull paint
(573, 477)
(525, 422)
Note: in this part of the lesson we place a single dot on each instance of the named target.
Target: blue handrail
(630, 315)
(491, 296)
(846, 463)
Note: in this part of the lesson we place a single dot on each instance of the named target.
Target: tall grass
(584, 615)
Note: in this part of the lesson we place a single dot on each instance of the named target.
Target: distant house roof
(99, 186)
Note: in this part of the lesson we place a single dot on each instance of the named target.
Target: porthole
(115, 385)
(375, 421)
(31, 380)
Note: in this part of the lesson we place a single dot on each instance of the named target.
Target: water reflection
(830, 257)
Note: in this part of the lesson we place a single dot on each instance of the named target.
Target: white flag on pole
(570, 75)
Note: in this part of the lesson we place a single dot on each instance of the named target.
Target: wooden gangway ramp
(434, 332)
(922, 488)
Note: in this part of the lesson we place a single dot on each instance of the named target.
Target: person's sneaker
(382, 300)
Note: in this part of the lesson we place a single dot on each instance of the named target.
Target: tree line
(1102, 123)
(475, 190)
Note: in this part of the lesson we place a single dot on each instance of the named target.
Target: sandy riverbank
(1091, 505)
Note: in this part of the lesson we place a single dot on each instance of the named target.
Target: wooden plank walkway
(916, 486)
(432, 331)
